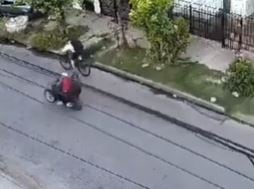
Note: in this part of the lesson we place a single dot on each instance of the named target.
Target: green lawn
(185, 76)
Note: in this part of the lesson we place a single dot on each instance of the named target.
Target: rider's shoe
(69, 105)
(59, 103)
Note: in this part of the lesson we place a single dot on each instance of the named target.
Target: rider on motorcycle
(67, 89)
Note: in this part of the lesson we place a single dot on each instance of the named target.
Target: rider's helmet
(64, 74)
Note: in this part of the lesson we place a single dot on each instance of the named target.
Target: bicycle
(81, 63)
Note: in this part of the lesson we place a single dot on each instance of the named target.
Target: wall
(249, 7)
(242, 7)
(199, 3)
(238, 7)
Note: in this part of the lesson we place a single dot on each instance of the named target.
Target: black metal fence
(232, 30)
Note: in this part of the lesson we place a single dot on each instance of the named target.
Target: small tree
(168, 37)
(121, 25)
(240, 78)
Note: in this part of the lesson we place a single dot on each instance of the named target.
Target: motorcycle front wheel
(49, 96)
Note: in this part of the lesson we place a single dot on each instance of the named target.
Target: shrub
(56, 39)
(50, 40)
(168, 37)
(76, 31)
(240, 78)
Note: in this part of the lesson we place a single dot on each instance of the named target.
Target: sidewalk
(209, 53)
(144, 97)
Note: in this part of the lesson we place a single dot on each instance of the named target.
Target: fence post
(223, 21)
(240, 34)
(190, 16)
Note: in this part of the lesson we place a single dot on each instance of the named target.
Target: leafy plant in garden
(54, 39)
(48, 40)
(74, 32)
(168, 37)
(240, 77)
(52, 7)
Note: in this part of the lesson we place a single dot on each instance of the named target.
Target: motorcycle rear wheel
(77, 106)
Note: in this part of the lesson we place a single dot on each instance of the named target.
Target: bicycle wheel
(84, 68)
(65, 64)
(65, 61)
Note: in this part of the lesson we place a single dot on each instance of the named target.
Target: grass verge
(193, 78)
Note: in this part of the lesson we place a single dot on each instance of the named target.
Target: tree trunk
(62, 23)
(121, 21)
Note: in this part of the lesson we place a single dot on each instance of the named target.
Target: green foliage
(55, 39)
(52, 7)
(241, 78)
(20, 2)
(144, 11)
(168, 38)
(181, 38)
(75, 32)
(50, 40)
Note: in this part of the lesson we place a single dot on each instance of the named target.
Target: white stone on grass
(214, 81)
(145, 65)
(159, 68)
(213, 99)
(236, 94)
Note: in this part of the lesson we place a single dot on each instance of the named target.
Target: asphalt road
(107, 145)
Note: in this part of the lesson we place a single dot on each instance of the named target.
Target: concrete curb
(160, 88)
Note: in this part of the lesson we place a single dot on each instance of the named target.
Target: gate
(233, 31)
